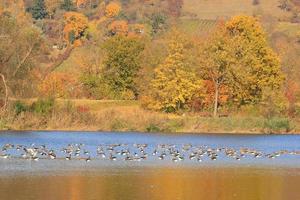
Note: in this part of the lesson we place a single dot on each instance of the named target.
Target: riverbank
(93, 115)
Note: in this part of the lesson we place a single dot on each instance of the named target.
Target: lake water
(113, 166)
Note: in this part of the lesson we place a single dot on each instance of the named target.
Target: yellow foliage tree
(16, 8)
(75, 26)
(52, 6)
(112, 9)
(239, 57)
(256, 66)
(174, 82)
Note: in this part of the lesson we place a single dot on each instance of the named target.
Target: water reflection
(268, 167)
(157, 183)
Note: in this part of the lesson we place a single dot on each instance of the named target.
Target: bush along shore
(93, 115)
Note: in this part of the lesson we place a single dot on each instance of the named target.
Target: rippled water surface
(235, 173)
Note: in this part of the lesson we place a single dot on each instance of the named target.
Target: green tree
(122, 62)
(68, 5)
(158, 21)
(174, 82)
(39, 10)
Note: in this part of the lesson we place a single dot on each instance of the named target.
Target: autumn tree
(112, 9)
(122, 62)
(75, 26)
(174, 82)
(81, 3)
(59, 85)
(52, 6)
(216, 62)
(239, 56)
(20, 43)
(118, 27)
(256, 66)
(38, 10)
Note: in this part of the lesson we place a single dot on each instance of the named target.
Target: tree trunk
(6, 94)
(23, 60)
(58, 61)
(216, 102)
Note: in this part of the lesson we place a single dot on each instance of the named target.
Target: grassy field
(95, 115)
(215, 9)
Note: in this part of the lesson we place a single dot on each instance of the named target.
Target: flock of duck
(134, 152)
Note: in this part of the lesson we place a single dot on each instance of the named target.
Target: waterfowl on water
(35, 158)
(213, 157)
(161, 157)
(4, 156)
(111, 157)
(88, 159)
(68, 157)
(85, 152)
(137, 152)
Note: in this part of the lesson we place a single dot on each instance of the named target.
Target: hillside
(216, 9)
(225, 58)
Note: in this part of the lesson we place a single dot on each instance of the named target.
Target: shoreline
(239, 133)
(130, 116)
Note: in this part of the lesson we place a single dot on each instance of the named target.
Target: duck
(4, 156)
(88, 159)
(161, 157)
(35, 158)
(68, 157)
(199, 159)
(111, 157)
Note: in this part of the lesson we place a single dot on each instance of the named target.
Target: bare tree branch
(23, 60)
(2, 109)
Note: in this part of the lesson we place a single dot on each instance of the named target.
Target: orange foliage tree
(291, 93)
(75, 26)
(81, 3)
(118, 27)
(112, 9)
(58, 85)
(210, 93)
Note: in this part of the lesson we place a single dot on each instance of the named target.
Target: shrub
(83, 109)
(277, 125)
(158, 21)
(127, 95)
(118, 125)
(174, 125)
(19, 107)
(152, 128)
(43, 106)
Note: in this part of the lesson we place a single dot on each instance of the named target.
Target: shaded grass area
(95, 115)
